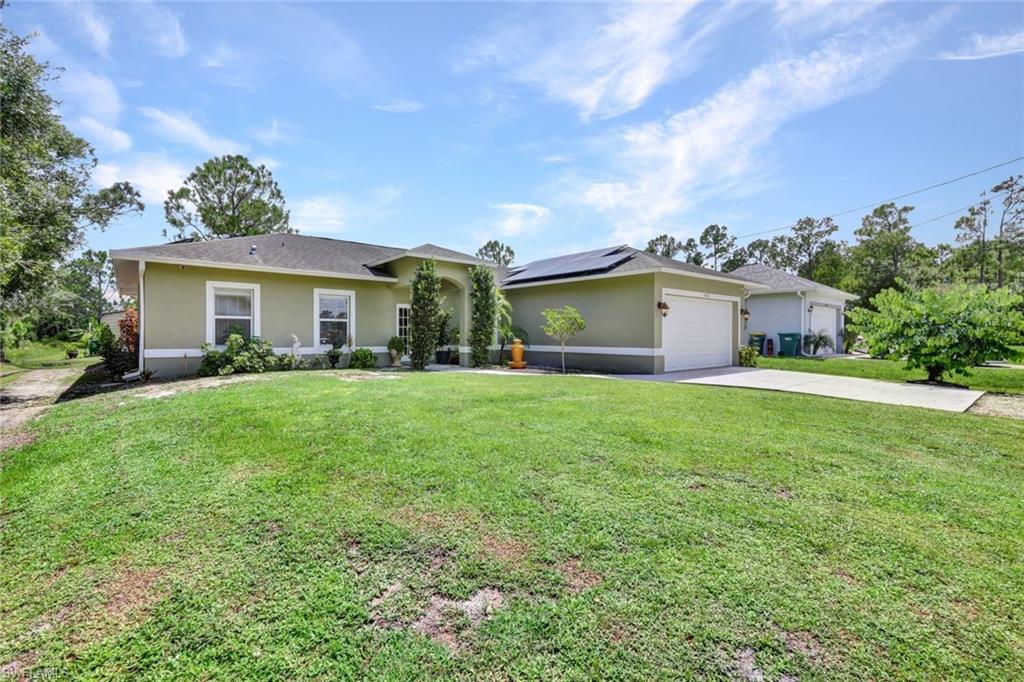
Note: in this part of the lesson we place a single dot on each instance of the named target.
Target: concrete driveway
(851, 388)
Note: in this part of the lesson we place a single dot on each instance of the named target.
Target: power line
(896, 198)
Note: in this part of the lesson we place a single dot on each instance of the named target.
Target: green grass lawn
(41, 355)
(302, 526)
(994, 379)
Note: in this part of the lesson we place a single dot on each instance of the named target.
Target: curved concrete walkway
(851, 388)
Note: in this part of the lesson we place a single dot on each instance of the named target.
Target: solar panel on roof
(573, 264)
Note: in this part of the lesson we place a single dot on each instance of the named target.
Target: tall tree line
(988, 249)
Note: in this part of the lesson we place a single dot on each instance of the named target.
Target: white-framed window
(402, 316)
(334, 317)
(231, 306)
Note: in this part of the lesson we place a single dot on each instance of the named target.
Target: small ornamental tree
(424, 312)
(481, 330)
(943, 329)
(563, 324)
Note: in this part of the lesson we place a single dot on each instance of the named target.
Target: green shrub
(240, 356)
(362, 358)
(287, 361)
(481, 330)
(943, 329)
(815, 341)
(748, 356)
(397, 343)
(424, 305)
(71, 352)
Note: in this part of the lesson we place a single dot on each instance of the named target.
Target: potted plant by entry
(453, 342)
(334, 354)
(443, 353)
(396, 348)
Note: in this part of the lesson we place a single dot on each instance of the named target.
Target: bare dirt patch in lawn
(999, 405)
(16, 667)
(170, 388)
(577, 576)
(133, 591)
(506, 550)
(845, 576)
(449, 622)
(804, 644)
(746, 666)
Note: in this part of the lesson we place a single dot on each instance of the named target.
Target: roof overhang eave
(136, 257)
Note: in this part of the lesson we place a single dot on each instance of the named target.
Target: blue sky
(550, 127)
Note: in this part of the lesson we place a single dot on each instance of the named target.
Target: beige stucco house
(276, 287)
(644, 314)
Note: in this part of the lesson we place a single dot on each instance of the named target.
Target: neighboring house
(791, 304)
(275, 286)
(644, 313)
(112, 320)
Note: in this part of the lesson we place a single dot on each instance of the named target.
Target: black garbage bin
(757, 340)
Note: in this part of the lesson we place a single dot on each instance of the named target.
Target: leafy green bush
(748, 356)
(397, 343)
(943, 329)
(287, 361)
(240, 356)
(362, 358)
(815, 341)
(481, 330)
(115, 358)
(424, 305)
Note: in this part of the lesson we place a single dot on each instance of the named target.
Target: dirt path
(26, 397)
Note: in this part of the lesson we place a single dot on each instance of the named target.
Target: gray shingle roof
(437, 252)
(637, 261)
(299, 253)
(779, 280)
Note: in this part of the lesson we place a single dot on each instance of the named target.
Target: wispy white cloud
(981, 46)
(336, 213)
(515, 220)
(270, 133)
(222, 56)
(809, 16)
(604, 64)
(180, 127)
(161, 29)
(94, 95)
(556, 158)
(152, 174)
(663, 168)
(400, 106)
(104, 136)
(93, 25)
(90, 101)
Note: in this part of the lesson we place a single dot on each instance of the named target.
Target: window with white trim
(231, 307)
(402, 316)
(334, 317)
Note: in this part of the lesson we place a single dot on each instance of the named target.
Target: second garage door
(697, 333)
(823, 319)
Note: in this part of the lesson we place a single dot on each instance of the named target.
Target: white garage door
(697, 333)
(824, 319)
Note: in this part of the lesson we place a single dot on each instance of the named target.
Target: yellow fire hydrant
(517, 355)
